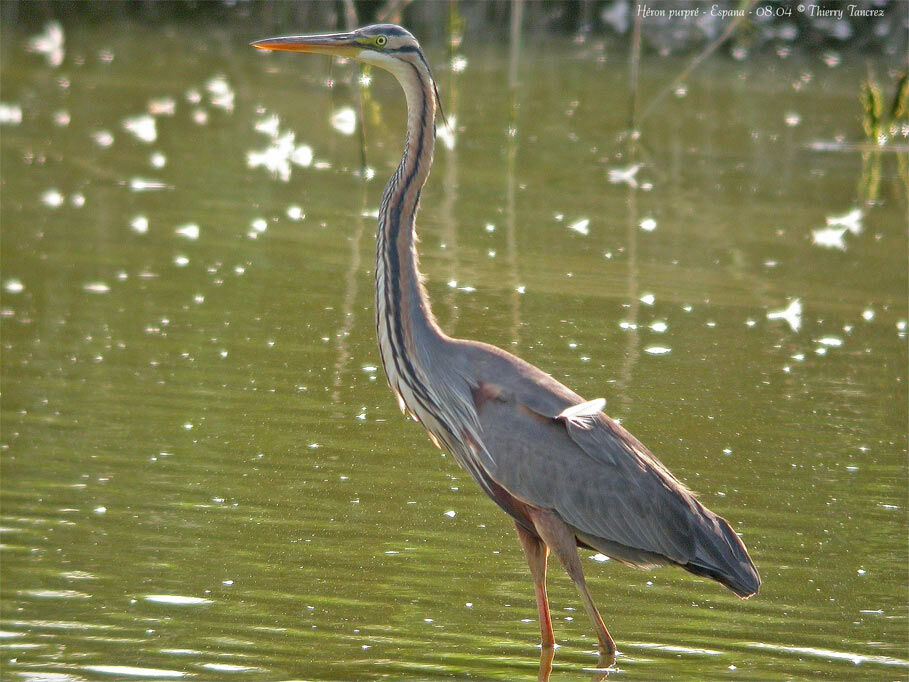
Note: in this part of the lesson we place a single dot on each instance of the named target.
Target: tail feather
(721, 555)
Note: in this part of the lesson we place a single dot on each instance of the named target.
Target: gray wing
(598, 478)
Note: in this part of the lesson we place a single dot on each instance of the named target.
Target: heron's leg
(561, 540)
(547, 653)
(537, 553)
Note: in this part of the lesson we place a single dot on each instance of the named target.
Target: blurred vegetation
(881, 124)
(771, 24)
(886, 128)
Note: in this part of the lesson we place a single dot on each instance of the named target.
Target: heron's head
(384, 45)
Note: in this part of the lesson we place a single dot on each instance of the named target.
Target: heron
(567, 474)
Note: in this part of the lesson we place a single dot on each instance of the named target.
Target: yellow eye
(381, 41)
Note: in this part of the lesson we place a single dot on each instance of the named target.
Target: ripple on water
(10, 114)
(60, 625)
(657, 350)
(176, 599)
(675, 649)
(55, 594)
(142, 127)
(581, 226)
(792, 314)
(829, 237)
(857, 659)
(229, 667)
(133, 671)
(189, 231)
(344, 120)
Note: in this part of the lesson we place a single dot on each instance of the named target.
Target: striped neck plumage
(404, 319)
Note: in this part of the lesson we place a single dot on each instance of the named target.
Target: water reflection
(632, 341)
(447, 133)
(50, 43)
(604, 666)
(791, 314)
(202, 472)
(349, 318)
(515, 290)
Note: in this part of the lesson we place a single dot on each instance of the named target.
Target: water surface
(205, 475)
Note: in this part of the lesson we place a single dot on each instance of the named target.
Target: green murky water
(203, 473)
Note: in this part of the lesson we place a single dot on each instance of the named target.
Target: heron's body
(567, 474)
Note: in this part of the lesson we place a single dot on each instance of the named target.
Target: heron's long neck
(405, 325)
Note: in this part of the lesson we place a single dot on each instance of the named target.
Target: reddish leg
(559, 537)
(537, 552)
(547, 653)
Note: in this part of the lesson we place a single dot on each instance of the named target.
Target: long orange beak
(337, 44)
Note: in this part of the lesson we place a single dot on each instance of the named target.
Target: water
(204, 474)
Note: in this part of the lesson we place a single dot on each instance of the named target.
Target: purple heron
(567, 474)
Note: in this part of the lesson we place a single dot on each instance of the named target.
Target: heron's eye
(381, 41)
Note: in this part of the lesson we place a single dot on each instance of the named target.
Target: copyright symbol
(801, 8)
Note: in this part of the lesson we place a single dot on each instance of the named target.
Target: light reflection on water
(203, 473)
